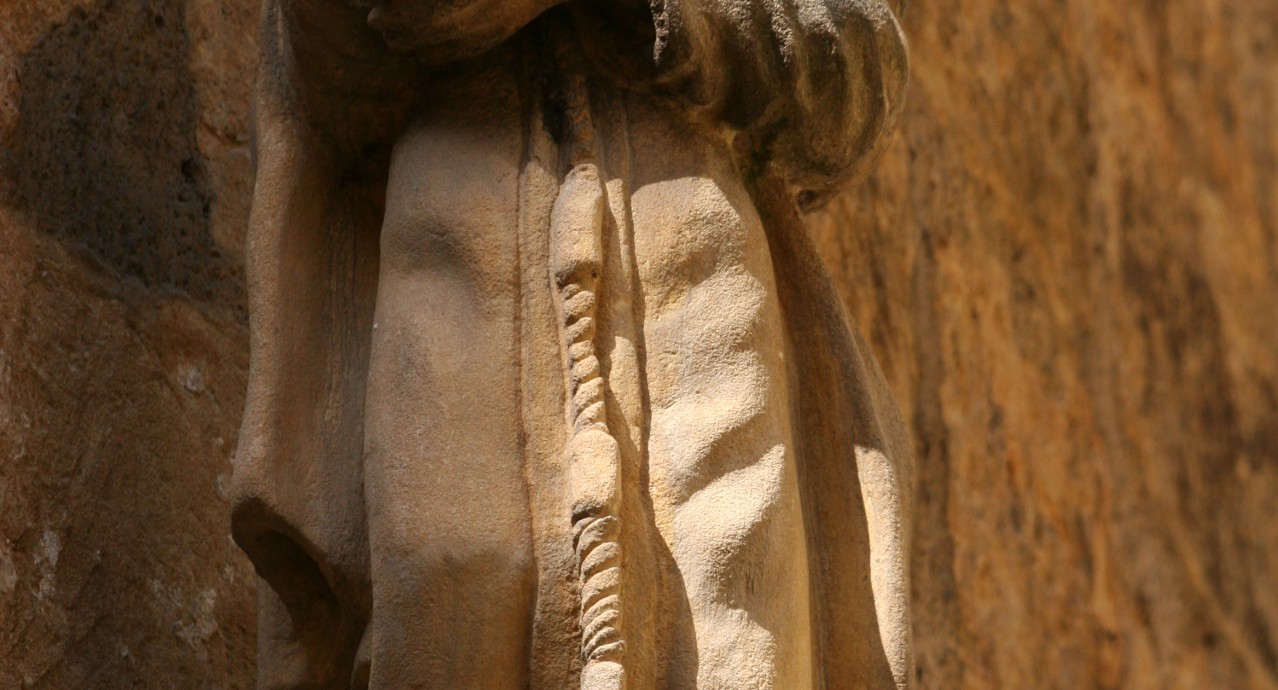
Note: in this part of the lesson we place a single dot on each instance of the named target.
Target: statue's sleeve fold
(312, 258)
(814, 85)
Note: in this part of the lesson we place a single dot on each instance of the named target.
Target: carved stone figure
(549, 388)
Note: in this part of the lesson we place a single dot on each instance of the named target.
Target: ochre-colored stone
(549, 388)
(124, 189)
(1065, 264)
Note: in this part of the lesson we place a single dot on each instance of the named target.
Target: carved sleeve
(312, 264)
(813, 85)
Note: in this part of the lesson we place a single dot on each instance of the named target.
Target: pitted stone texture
(124, 178)
(1067, 266)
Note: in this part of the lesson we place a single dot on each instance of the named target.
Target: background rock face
(1067, 265)
(124, 188)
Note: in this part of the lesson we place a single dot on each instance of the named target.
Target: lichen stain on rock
(194, 618)
(46, 558)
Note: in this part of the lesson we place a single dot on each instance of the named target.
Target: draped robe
(401, 478)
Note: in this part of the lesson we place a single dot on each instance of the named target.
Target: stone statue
(549, 388)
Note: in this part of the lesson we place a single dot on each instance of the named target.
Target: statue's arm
(321, 144)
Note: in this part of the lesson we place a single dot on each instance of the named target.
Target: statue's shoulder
(324, 70)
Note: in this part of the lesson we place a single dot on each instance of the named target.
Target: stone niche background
(1067, 265)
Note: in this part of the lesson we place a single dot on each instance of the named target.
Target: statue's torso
(444, 483)
(427, 332)
(447, 449)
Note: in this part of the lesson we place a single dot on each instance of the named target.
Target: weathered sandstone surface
(124, 185)
(1067, 265)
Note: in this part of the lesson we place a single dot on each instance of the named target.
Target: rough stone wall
(124, 188)
(1067, 264)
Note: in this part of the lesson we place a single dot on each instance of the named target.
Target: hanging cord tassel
(594, 460)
